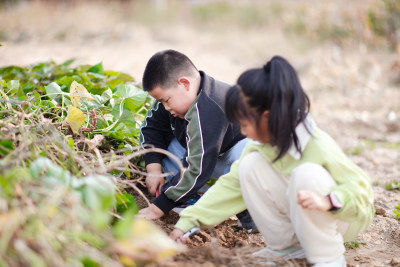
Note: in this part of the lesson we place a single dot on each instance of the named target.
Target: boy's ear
(265, 114)
(184, 81)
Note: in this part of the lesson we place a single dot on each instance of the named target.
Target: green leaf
(98, 68)
(13, 85)
(98, 89)
(125, 124)
(37, 166)
(393, 185)
(128, 90)
(98, 192)
(123, 227)
(15, 89)
(53, 174)
(71, 143)
(126, 127)
(106, 95)
(68, 62)
(43, 69)
(134, 97)
(114, 83)
(5, 147)
(13, 72)
(99, 101)
(53, 90)
(66, 81)
(62, 72)
(89, 263)
(118, 110)
(135, 103)
(125, 202)
(119, 75)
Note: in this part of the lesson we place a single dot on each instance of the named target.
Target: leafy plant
(396, 212)
(110, 102)
(354, 244)
(63, 198)
(393, 185)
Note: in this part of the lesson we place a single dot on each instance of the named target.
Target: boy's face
(176, 100)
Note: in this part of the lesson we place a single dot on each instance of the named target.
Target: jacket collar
(303, 135)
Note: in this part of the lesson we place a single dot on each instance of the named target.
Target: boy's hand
(312, 201)
(154, 181)
(152, 212)
(177, 236)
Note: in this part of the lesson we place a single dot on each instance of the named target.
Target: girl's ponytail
(289, 105)
(267, 67)
(274, 87)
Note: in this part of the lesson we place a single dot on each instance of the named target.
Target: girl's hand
(177, 236)
(313, 201)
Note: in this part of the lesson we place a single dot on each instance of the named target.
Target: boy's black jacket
(205, 133)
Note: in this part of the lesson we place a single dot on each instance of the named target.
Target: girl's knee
(313, 177)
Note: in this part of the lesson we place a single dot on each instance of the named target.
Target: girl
(305, 196)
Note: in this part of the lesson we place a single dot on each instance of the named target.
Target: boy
(188, 119)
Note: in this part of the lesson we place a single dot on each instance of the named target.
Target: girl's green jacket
(224, 199)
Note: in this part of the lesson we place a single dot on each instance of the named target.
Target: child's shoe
(245, 221)
(293, 252)
(339, 262)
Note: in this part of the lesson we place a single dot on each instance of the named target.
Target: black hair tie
(267, 67)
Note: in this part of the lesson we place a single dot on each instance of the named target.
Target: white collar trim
(303, 135)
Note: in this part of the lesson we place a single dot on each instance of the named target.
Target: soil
(354, 91)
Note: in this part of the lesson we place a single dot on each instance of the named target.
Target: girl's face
(249, 128)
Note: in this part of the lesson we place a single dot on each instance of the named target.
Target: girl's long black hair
(275, 88)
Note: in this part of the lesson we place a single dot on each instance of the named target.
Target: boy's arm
(156, 131)
(205, 135)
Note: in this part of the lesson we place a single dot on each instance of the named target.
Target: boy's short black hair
(164, 68)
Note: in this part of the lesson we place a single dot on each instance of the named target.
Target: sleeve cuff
(153, 158)
(164, 203)
(184, 225)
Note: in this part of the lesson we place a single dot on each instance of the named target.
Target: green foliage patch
(117, 108)
(67, 136)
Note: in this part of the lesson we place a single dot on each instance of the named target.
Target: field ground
(353, 92)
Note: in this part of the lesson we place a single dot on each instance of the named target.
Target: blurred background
(347, 53)
(222, 37)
